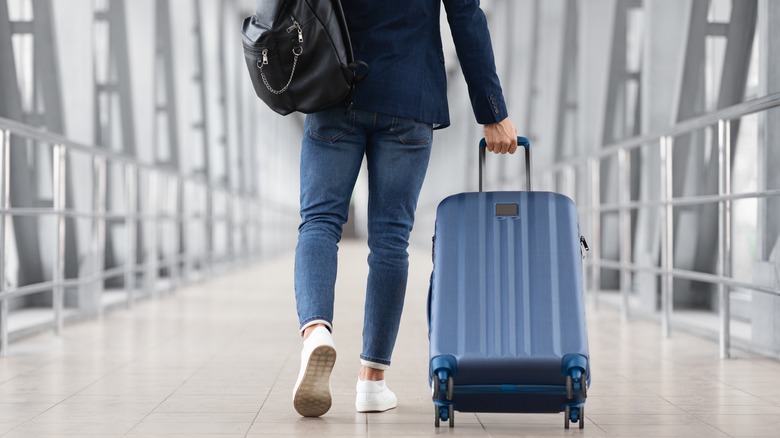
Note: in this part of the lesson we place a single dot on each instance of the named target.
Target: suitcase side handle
(521, 141)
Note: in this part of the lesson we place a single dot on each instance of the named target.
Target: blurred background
(135, 156)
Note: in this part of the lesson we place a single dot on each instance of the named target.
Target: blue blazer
(401, 42)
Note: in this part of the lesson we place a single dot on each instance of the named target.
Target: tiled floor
(220, 359)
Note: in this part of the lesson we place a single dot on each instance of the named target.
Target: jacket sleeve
(475, 53)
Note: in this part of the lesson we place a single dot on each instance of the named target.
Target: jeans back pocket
(331, 124)
(410, 131)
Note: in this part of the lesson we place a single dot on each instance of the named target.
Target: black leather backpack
(300, 59)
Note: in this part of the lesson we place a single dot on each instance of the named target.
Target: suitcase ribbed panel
(462, 283)
(525, 290)
(554, 275)
(507, 290)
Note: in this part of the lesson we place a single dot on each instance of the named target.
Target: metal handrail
(684, 201)
(32, 133)
(241, 211)
(685, 127)
(665, 141)
(21, 291)
(687, 274)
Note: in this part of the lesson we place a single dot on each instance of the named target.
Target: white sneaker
(374, 396)
(311, 395)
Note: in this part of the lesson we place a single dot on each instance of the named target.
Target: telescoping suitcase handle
(521, 141)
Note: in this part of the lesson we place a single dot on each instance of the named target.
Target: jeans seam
(310, 319)
(375, 359)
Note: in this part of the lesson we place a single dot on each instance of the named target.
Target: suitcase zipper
(583, 246)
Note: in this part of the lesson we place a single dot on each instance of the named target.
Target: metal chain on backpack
(296, 53)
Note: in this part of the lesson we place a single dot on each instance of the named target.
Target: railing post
(249, 208)
(724, 234)
(235, 253)
(624, 197)
(99, 231)
(179, 198)
(205, 255)
(568, 183)
(253, 220)
(667, 242)
(58, 267)
(165, 219)
(131, 189)
(208, 248)
(213, 222)
(5, 167)
(242, 208)
(231, 221)
(154, 218)
(258, 220)
(549, 182)
(594, 170)
(174, 219)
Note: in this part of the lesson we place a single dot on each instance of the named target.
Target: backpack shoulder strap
(339, 11)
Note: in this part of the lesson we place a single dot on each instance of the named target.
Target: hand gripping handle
(521, 141)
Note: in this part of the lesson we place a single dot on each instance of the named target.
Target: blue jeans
(397, 151)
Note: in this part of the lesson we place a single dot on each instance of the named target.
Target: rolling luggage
(505, 309)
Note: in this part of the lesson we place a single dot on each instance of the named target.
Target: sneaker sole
(312, 397)
(367, 408)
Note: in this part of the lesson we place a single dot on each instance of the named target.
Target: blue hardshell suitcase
(506, 310)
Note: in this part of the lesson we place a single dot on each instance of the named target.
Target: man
(396, 108)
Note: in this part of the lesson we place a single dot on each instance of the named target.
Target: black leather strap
(356, 76)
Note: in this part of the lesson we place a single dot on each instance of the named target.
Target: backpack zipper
(295, 26)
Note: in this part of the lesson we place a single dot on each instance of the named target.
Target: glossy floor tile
(220, 358)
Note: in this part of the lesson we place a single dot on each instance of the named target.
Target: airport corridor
(219, 358)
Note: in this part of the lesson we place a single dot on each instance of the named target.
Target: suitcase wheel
(447, 385)
(581, 380)
(444, 412)
(584, 385)
(574, 415)
(575, 370)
